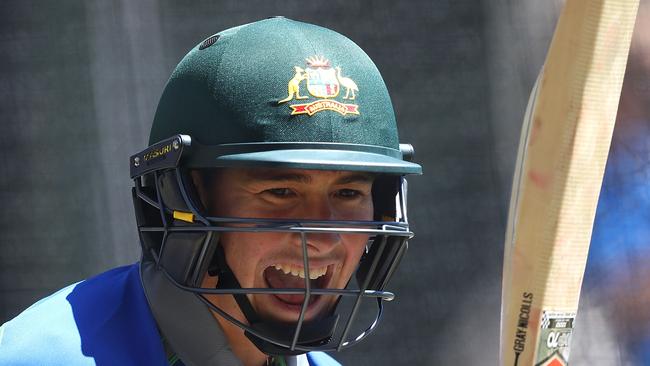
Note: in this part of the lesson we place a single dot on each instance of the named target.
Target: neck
(247, 353)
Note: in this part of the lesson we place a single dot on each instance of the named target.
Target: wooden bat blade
(561, 160)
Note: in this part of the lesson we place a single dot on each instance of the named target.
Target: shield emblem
(322, 82)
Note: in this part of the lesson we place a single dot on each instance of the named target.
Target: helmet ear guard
(189, 258)
(389, 257)
(388, 193)
(384, 190)
(147, 215)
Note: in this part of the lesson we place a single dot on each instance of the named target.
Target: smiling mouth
(284, 276)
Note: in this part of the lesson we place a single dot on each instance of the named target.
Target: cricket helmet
(276, 93)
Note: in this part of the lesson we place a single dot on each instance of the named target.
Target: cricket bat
(563, 149)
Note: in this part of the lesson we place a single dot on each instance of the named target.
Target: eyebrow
(281, 177)
(356, 178)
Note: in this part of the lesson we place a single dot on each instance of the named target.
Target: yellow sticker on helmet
(184, 216)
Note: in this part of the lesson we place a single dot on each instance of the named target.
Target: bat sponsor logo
(522, 324)
(555, 359)
(555, 338)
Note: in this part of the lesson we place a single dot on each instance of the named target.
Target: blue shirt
(101, 321)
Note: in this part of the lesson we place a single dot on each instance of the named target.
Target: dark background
(79, 86)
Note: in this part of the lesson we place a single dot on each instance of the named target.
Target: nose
(322, 242)
(320, 209)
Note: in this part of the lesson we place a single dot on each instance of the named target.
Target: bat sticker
(555, 338)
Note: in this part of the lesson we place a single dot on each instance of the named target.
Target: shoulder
(29, 338)
(103, 320)
(321, 359)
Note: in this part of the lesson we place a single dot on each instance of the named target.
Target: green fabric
(174, 360)
(278, 361)
(230, 92)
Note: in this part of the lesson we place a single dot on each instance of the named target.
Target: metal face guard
(184, 244)
(387, 243)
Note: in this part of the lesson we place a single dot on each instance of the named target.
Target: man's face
(275, 260)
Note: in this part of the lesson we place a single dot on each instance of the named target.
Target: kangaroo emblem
(293, 88)
(322, 87)
(347, 83)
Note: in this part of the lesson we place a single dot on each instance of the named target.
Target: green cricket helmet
(276, 93)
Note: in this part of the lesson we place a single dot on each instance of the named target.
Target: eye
(280, 192)
(347, 193)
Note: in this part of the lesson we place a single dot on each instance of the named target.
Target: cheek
(243, 252)
(357, 211)
(355, 245)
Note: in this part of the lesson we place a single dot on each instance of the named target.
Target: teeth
(285, 269)
(314, 273)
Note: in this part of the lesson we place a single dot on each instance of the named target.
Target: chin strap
(312, 334)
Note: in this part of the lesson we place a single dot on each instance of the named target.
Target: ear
(199, 182)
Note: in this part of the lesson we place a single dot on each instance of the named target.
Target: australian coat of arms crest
(323, 83)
